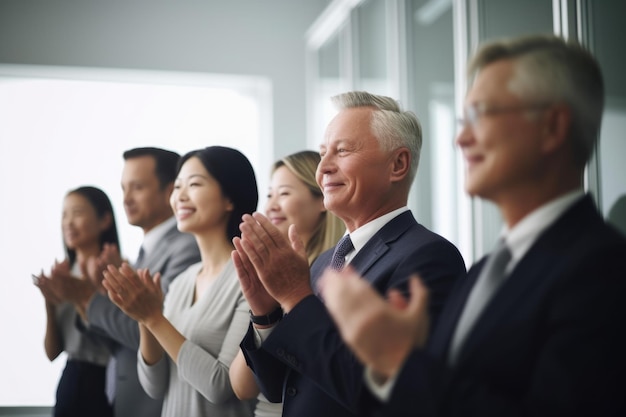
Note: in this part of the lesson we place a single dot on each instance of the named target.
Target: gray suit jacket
(173, 254)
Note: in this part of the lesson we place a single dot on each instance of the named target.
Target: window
(63, 128)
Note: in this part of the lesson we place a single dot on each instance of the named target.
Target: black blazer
(305, 360)
(550, 343)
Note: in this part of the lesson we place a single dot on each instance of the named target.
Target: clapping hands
(136, 292)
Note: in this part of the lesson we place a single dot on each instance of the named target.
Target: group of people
(336, 301)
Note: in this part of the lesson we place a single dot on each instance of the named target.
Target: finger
(157, 280)
(254, 253)
(251, 243)
(242, 274)
(107, 282)
(329, 285)
(113, 279)
(131, 278)
(147, 280)
(245, 259)
(271, 236)
(243, 266)
(115, 298)
(397, 299)
(418, 303)
(296, 241)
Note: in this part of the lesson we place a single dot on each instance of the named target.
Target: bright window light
(63, 128)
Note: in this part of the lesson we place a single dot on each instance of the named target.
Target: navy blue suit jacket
(551, 342)
(305, 363)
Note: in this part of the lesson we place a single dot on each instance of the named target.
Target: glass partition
(416, 51)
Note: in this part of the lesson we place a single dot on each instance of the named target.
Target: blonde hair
(330, 228)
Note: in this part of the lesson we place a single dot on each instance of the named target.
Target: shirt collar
(521, 237)
(364, 233)
(151, 239)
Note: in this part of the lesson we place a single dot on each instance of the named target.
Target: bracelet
(267, 319)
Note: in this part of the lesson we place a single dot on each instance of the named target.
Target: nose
(126, 194)
(326, 166)
(180, 194)
(271, 204)
(464, 135)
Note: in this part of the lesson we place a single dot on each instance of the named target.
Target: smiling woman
(62, 126)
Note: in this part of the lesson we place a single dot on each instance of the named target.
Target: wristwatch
(267, 319)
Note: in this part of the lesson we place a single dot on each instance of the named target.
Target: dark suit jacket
(171, 256)
(305, 359)
(550, 343)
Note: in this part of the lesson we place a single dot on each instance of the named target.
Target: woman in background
(294, 198)
(88, 224)
(188, 342)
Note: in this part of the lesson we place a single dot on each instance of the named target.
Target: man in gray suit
(147, 182)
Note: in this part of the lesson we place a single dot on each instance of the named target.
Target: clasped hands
(272, 269)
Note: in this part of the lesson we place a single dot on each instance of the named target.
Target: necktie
(140, 258)
(344, 247)
(491, 277)
(111, 376)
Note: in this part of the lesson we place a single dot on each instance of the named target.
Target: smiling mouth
(332, 186)
(183, 213)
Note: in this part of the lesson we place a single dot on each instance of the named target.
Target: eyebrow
(281, 186)
(192, 176)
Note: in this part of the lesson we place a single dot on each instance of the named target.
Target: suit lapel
(378, 244)
(533, 271)
(442, 335)
(155, 259)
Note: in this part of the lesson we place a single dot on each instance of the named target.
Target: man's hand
(260, 301)
(280, 265)
(380, 333)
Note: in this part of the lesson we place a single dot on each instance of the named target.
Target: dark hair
(101, 203)
(232, 170)
(165, 162)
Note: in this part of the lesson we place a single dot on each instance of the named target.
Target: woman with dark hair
(88, 224)
(189, 340)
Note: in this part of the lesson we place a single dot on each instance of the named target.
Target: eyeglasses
(474, 111)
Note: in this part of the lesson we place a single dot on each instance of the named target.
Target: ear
(169, 188)
(229, 205)
(106, 221)
(401, 164)
(558, 122)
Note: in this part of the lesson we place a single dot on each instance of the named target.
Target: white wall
(180, 112)
(246, 37)
(263, 39)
